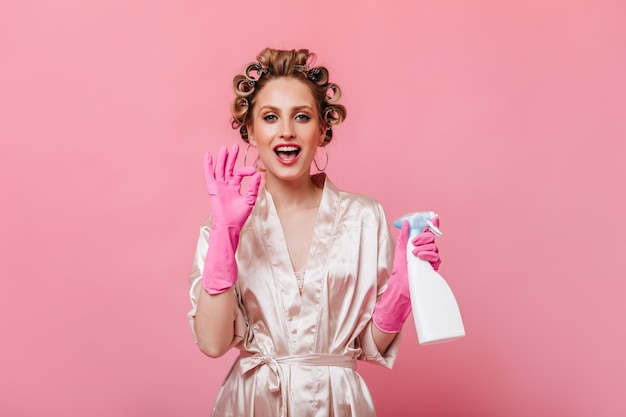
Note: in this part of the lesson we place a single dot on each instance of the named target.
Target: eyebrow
(293, 109)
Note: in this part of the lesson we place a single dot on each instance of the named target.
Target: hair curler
(435, 310)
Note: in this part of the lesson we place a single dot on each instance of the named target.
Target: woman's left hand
(426, 248)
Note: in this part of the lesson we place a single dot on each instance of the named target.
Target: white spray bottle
(435, 310)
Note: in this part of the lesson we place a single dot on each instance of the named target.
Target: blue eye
(270, 117)
(303, 117)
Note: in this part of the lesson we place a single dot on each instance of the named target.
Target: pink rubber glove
(394, 307)
(229, 212)
(425, 247)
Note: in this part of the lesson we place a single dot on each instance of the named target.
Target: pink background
(508, 118)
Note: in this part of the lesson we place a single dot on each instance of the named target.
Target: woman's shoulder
(363, 209)
(364, 199)
(344, 195)
(364, 203)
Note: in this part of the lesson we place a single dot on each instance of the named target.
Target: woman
(299, 276)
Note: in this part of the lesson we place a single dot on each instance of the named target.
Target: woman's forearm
(382, 339)
(214, 322)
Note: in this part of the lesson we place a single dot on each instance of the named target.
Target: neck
(298, 194)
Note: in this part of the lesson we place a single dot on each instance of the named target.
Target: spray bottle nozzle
(418, 221)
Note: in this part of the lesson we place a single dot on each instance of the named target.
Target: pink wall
(505, 117)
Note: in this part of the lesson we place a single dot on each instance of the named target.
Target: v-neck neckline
(279, 253)
(282, 238)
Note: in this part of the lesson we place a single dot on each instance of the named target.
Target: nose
(287, 130)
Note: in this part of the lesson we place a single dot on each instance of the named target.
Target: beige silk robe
(298, 353)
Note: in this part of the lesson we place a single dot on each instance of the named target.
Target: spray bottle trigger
(433, 228)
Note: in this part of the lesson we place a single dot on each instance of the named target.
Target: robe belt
(246, 364)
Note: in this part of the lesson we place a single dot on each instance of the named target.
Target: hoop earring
(325, 165)
(257, 161)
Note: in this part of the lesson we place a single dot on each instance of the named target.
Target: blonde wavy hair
(275, 63)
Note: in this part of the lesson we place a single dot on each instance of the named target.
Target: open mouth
(287, 152)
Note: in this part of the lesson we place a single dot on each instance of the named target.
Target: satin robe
(298, 352)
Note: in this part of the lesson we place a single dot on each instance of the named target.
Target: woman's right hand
(229, 212)
(229, 208)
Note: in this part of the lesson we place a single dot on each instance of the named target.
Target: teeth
(287, 148)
